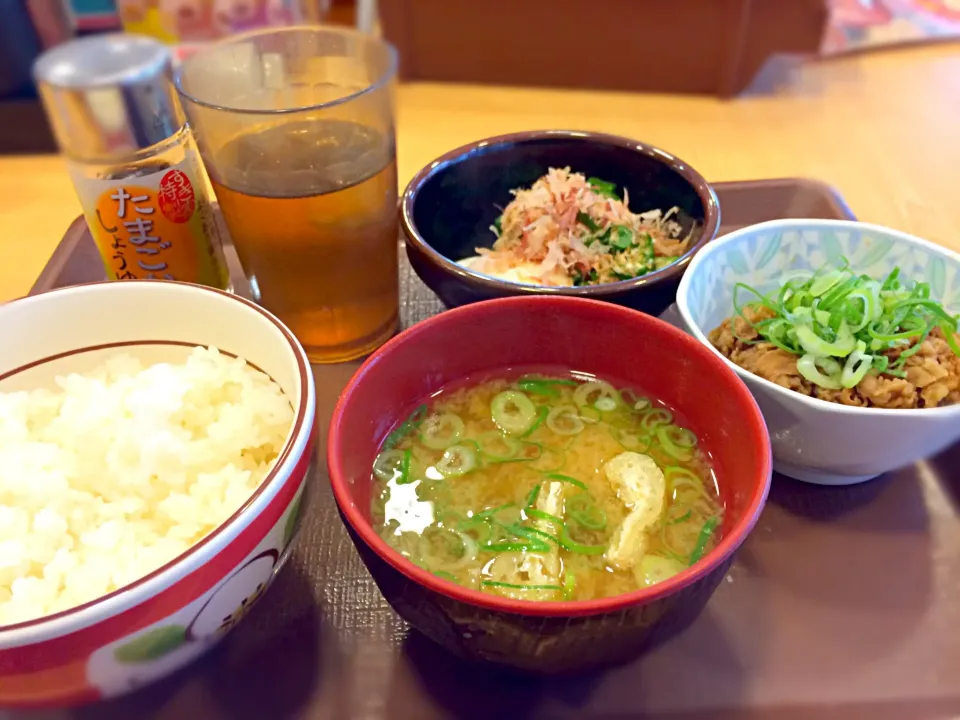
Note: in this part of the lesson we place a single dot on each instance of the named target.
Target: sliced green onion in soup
(678, 436)
(543, 515)
(445, 546)
(501, 547)
(457, 460)
(598, 394)
(705, 534)
(565, 420)
(435, 491)
(529, 452)
(633, 401)
(406, 427)
(517, 586)
(498, 447)
(548, 380)
(656, 417)
(439, 432)
(535, 535)
(532, 497)
(569, 585)
(545, 387)
(605, 404)
(631, 441)
(567, 479)
(671, 552)
(571, 545)
(389, 464)
(535, 387)
(589, 414)
(653, 569)
(542, 413)
(677, 513)
(471, 548)
(678, 477)
(519, 538)
(478, 528)
(677, 442)
(513, 412)
(584, 511)
(496, 513)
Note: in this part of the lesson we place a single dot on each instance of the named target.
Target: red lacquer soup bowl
(575, 335)
(161, 622)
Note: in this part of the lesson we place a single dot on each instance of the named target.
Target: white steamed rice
(123, 469)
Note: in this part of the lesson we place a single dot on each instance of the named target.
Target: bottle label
(155, 226)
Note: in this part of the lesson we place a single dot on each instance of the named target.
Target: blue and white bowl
(815, 440)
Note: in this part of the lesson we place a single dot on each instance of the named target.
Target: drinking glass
(295, 127)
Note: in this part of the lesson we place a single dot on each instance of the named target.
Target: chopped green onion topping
(602, 187)
(840, 324)
(588, 222)
(622, 237)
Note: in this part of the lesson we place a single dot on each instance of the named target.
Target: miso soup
(544, 487)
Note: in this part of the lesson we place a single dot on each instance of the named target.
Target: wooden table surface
(880, 127)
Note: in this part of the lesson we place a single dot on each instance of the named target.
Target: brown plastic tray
(843, 603)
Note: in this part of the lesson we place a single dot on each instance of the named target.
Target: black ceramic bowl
(447, 209)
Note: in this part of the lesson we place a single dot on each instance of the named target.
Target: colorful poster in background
(855, 24)
(865, 24)
(94, 15)
(190, 21)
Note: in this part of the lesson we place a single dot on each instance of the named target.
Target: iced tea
(312, 210)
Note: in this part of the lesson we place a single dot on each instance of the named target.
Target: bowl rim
(703, 189)
(704, 258)
(85, 615)
(567, 608)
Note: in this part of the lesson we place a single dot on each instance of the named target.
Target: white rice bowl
(120, 470)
